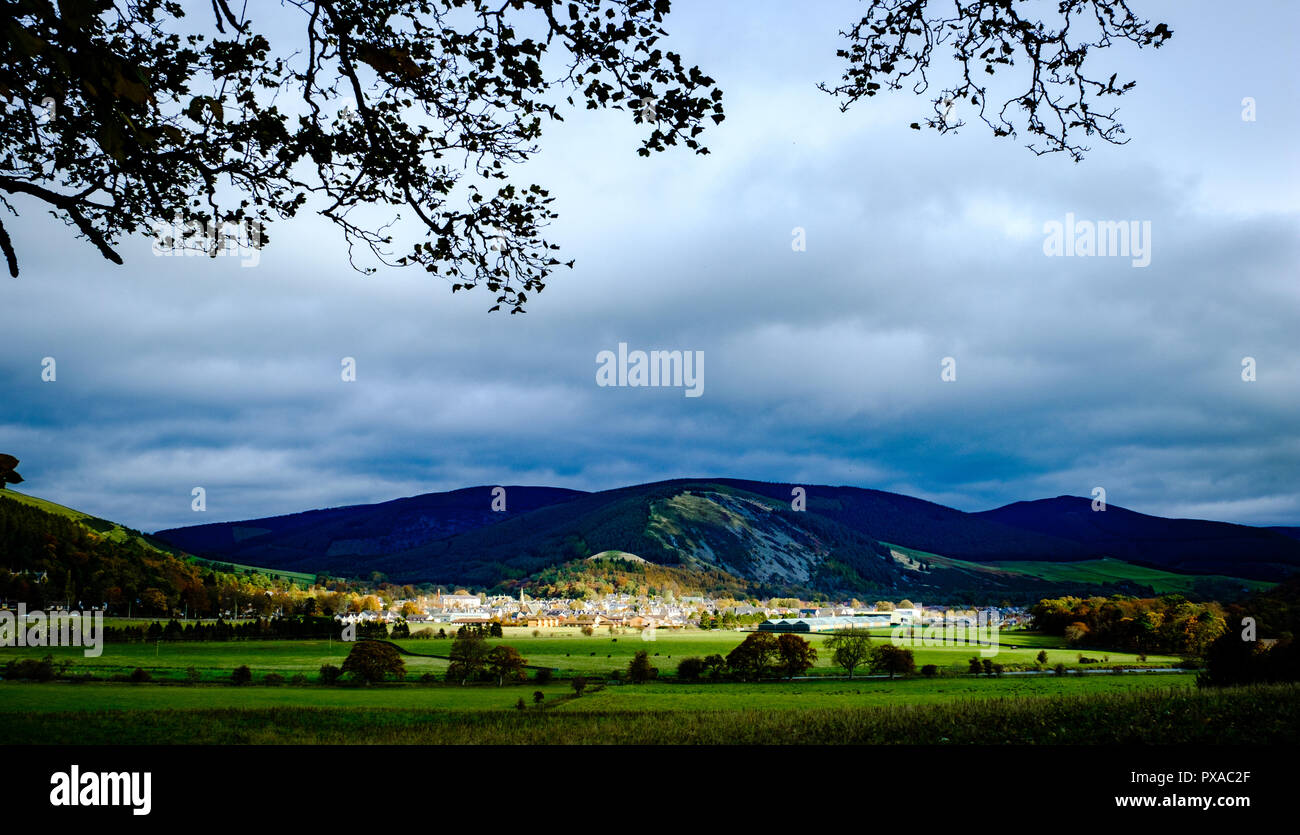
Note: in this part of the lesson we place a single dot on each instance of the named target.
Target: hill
(1190, 545)
(52, 555)
(315, 537)
(738, 534)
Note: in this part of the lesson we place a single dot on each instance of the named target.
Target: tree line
(1170, 623)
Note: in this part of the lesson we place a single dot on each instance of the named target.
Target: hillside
(733, 533)
(110, 531)
(358, 530)
(1190, 545)
(51, 555)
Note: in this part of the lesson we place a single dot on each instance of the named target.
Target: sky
(820, 366)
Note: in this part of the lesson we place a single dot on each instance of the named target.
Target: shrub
(329, 674)
(519, 705)
(273, 680)
(192, 675)
(1042, 656)
(543, 676)
(298, 680)
(929, 671)
(716, 666)
(31, 669)
(1059, 669)
(578, 684)
(241, 675)
(690, 669)
(139, 676)
(428, 678)
(639, 669)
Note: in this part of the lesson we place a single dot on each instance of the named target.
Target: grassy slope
(112, 530)
(1106, 570)
(118, 533)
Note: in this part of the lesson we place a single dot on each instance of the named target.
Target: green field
(1143, 713)
(951, 707)
(655, 696)
(1109, 570)
(567, 651)
(1093, 572)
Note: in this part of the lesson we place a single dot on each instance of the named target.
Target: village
(453, 610)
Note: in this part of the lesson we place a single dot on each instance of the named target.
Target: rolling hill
(747, 532)
(54, 555)
(317, 537)
(1190, 545)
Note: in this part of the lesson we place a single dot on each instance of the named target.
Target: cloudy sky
(820, 367)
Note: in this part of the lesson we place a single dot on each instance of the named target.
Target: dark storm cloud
(821, 366)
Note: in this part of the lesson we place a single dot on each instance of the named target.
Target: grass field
(658, 696)
(565, 650)
(1154, 715)
(948, 709)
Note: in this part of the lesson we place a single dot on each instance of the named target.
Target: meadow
(565, 650)
(1139, 715)
(84, 706)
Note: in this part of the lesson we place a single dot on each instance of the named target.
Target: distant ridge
(734, 528)
(1182, 544)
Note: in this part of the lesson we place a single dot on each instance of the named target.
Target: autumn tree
(468, 653)
(401, 122)
(373, 661)
(753, 657)
(892, 659)
(850, 648)
(794, 655)
(1076, 632)
(505, 664)
(1056, 94)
